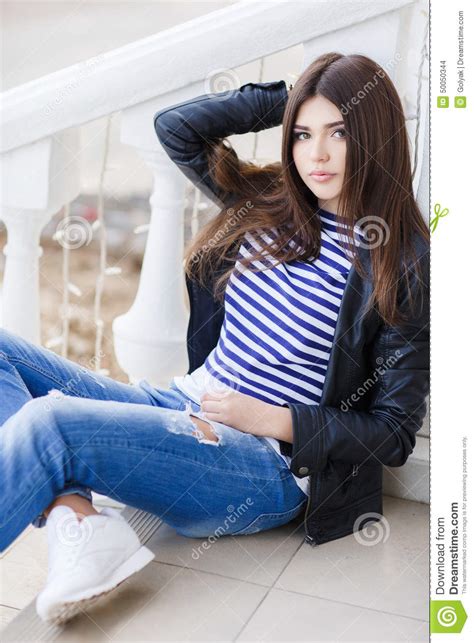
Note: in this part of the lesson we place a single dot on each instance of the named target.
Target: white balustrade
(150, 337)
(37, 180)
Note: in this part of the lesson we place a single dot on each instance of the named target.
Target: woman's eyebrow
(326, 126)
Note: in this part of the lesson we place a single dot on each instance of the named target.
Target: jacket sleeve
(187, 130)
(386, 432)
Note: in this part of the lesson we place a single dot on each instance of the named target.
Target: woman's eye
(296, 135)
(340, 130)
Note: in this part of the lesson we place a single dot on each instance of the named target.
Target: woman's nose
(318, 152)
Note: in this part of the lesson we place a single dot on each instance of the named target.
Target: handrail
(136, 72)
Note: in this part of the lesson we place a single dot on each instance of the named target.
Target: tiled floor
(264, 587)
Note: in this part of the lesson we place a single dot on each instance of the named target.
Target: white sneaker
(86, 560)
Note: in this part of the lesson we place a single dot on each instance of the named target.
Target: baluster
(20, 296)
(150, 339)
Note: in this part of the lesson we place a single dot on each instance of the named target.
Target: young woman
(308, 345)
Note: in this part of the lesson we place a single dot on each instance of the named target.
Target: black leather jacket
(369, 412)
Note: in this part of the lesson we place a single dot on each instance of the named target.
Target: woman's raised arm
(187, 130)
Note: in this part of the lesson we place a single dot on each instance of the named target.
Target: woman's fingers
(211, 406)
(215, 417)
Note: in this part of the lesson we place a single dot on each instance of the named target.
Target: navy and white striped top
(279, 325)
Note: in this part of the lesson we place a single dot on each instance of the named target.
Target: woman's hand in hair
(248, 414)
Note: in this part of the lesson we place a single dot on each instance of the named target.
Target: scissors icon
(438, 214)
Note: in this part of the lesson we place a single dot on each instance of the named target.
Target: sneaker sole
(65, 610)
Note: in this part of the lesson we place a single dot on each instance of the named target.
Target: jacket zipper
(355, 469)
(309, 539)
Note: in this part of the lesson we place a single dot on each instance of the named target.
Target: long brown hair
(377, 189)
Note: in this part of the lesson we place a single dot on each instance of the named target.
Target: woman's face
(319, 145)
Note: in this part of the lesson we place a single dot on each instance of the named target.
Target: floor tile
(16, 542)
(168, 603)
(257, 558)
(387, 570)
(341, 590)
(285, 616)
(23, 569)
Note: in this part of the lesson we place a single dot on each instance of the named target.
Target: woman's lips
(322, 178)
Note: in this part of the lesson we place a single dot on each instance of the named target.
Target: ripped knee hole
(204, 429)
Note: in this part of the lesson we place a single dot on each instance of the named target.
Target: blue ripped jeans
(65, 429)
